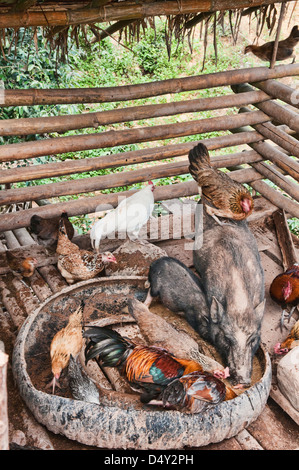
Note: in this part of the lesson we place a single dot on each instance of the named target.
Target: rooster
(195, 391)
(129, 216)
(291, 341)
(285, 48)
(47, 229)
(284, 290)
(21, 266)
(229, 198)
(75, 264)
(66, 343)
(148, 369)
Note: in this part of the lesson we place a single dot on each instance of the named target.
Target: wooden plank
(272, 432)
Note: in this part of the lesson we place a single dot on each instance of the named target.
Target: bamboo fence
(262, 115)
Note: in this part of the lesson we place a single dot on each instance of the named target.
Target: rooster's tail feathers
(110, 347)
(199, 159)
(295, 32)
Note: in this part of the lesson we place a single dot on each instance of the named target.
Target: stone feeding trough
(120, 421)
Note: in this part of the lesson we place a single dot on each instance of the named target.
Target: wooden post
(275, 47)
(4, 441)
(284, 239)
(118, 11)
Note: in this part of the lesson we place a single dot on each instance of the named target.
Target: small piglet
(178, 288)
(232, 276)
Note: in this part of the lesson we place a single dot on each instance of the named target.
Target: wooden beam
(278, 112)
(275, 45)
(279, 91)
(68, 167)
(9, 127)
(100, 183)
(108, 139)
(277, 178)
(276, 197)
(32, 97)
(89, 205)
(117, 12)
(284, 239)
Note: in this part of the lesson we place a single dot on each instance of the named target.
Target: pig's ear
(216, 310)
(259, 310)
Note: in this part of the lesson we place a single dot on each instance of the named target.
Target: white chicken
(129, 216)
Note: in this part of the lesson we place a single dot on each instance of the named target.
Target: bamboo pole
(10, 127)
(32, 97)
(44, 147)
(279, 90)
(275, 110)
(269, 152)
(276, 198)
(119, 11)
(99, 183)
(277, 178)
(281, 138)
(284, 238)
(68, 167)
(275, 46)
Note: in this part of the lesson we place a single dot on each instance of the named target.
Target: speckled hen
(76, 264)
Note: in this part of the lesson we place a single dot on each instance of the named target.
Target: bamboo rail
(118, 12)
(276, 197)
(279, 91)
(32, 97)
(114, 138)
(98, 183)
(10, 127)
(275, 110)
(88, 205)
(68, 167)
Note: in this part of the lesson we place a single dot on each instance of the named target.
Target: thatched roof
(63, 19)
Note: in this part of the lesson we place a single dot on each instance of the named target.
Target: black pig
(178, 288)
(229, 264)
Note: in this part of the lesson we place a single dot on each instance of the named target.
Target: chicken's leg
(282, 320)
(211, 212)
(148, 299)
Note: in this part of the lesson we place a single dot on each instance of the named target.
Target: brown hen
(284, 290)
(46, 229)
(285, 48)
(76, 264)
(229, 198)
(291, 341)
(68, 341)
(21, 266)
